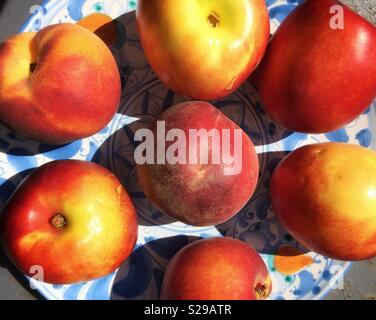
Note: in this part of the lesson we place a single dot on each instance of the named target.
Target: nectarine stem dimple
(213, 19)
(58, 221)
(262, 291)
(32, 68)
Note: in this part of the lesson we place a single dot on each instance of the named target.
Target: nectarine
(203, 49)
(71, 219)
(325, 196)
(318, 75)
(216, 269)
(57, 85)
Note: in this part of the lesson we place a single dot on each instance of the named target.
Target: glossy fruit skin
(195, 193)
(193, 58)
(216, 269)
(101, 222)
(325, 196)
(315, 79)
(67, 96)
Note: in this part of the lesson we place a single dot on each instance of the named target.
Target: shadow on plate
(256, 223)
(141, 276)
(116, 154)
(13, 144)
(9, 186)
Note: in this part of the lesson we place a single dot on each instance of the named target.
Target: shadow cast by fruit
(141, 276)
(10, 186)
(116, 154)
(256, 223)
(13, 144)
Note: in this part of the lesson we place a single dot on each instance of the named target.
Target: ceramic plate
(144, 98)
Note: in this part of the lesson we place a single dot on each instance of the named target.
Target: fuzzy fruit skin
(68, 96)
(216, 269)
(101, 228)
(200, 195)
(315, 79)
(194, 59)
(325, 196)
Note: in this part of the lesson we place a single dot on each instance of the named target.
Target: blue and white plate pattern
(143, 99)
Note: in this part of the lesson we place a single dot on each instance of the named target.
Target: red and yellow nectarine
(325, 196)
(316, 76)
(216, 269)
(57, 85)
(203, 49)
(71, 218)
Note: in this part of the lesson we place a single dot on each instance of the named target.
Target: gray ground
(360, 281)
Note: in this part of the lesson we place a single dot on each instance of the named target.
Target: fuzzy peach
(200, 192)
